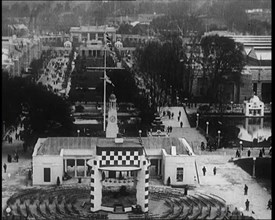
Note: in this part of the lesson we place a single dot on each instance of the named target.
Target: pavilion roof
(53, 145)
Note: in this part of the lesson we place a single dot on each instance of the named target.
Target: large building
(18, 53)
(256, 75)
(171, 159)
(91, 34)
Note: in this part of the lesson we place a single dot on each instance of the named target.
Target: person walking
(5, 167)
(247, 205)
(181, 124)
(214, 171)
(179, 113)
(269, 204)
(245, 189)
(248, 152)
(263, 151)
(9, 158)
(204, 170)
(237, 153)
(202, 145)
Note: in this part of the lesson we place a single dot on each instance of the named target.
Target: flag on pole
(109, 81)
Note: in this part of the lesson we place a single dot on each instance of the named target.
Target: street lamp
(197, 122)
(207, 123)
(254, 167)
(241, 145)
(78, 131)
(219, 138)
(8, 211)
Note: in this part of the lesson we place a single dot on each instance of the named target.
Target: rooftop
(54, 145)
(92, 29)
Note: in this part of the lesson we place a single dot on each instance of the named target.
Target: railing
(114, 181)
(231, 108)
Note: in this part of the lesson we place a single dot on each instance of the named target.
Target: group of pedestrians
(169, 129)
(204, 170)
(261, 152)
(168, 113)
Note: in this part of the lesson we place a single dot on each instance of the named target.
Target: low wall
(262, 166)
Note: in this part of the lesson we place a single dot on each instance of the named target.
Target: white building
(170, 159)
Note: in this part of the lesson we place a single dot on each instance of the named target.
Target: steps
(198, 206)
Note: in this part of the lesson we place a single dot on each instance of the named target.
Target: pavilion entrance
(119, 189)
(76, 167)
(155, 168)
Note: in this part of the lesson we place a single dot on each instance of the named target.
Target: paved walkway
(229, 182)
(174, 122)
(54, 74)
(192, 135)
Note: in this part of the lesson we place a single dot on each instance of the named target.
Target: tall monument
(112, 128)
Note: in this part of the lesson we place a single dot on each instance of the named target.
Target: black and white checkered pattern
(120, 158)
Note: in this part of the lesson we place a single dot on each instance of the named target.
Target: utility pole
(104, 95)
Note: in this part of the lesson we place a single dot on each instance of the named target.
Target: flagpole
(104, 98)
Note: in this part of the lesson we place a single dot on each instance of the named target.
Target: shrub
(204, 108)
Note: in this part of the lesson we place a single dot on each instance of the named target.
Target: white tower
(112, 128)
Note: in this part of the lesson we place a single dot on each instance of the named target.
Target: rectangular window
(47, 174)
(112, 174)
(92, 36)
(179, 174)
(100, 36)
(94, 53)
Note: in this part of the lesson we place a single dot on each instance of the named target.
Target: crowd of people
(54, 75)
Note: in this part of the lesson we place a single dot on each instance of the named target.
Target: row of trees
(166, 70)
(46, 114)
